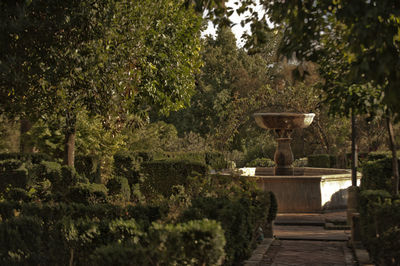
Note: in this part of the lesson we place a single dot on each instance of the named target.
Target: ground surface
(301, 239)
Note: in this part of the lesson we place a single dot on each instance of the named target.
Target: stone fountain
(298, 189)
(283, 125)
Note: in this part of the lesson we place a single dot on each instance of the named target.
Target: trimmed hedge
(162, 175)
(87, 193)
(240, 218)
(44, 234)
(88, 166)
(319, 160)
(33, 158)
(380, 225)
(14, 178)
(261, 162)
(216, 160)
(193, 243)
(118, 188)
(377, 174)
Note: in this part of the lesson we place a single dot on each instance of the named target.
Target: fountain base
(308, 190)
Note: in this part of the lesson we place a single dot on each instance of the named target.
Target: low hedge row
(380, 225)
(377, 174)
(162, 175)
(321, 160)
(69, 238)
(240, 218)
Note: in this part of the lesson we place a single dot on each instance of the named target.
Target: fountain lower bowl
(308, 190)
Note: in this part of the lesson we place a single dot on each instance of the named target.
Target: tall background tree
(108, 57)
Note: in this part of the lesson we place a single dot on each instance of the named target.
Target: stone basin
(308, 190)
(283, 120)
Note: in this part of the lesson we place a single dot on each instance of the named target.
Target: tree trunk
(354, 155)
(395, 163)
(25, 126)
(69, 142)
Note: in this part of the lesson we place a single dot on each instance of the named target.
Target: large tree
(104, 56)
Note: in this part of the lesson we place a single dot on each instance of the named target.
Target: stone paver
(299, 252)
(310, 233)
(302, 240)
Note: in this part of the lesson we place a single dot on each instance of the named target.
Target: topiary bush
(261, 162)
(118, 188)
(240, 217)
(17, 178)
(319, 160)
(162, 175)
(128, 166)
(377, 174)
(379, 222)
(87, 193)
(88, 166)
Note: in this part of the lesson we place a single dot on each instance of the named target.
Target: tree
(358, 55)
(229, 88)
(104, 56)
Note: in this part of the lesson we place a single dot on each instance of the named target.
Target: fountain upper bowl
(283, 120)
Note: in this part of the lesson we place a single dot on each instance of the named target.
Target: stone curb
(259, 252)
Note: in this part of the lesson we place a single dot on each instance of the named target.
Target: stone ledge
(259, 252)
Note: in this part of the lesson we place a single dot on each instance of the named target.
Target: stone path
(301, 239)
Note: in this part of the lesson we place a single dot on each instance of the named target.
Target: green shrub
(192, 243)
(240, 218)
(377, 174)
(21, 241)
(373, 156)
(319, 160)
(261, 162)
(162, 175)
(188, 156)
(15, 178)
(87, 193)
(88, 166)
(17, 194)
(216, 160)
(10, 164)
(33, 158)
(128, 166)
(118, 188)
(379, 222)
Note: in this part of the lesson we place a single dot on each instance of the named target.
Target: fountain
(283, 125)
(298, 189)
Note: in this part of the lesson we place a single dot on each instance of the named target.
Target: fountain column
(283, 155)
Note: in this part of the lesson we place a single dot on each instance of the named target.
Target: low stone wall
(310, 190)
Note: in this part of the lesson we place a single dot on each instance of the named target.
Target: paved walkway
(305, 239)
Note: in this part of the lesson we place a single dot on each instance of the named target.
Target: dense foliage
(57, 216)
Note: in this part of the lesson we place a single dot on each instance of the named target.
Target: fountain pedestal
(283, 125)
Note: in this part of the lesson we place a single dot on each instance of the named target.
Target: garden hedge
(48, 234)
(377, 174)
(162, 175)
(380, 225)
(319, 160)
(240, 218)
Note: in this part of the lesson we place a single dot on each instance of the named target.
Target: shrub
(377, 174)
(216, 160)
(21, 241)
(192, 243)
(118, 188)
(319, 160)
(88, 166)
(162, 175)
(87, 193)
(15, 178)
(379, 221)
(33, 158)
(127, 165)
(10, 164)
(261, 162)
(240, 218)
